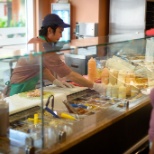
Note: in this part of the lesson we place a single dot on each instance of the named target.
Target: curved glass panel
(127, 54)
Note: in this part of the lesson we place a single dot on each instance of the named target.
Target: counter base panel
(118, 137)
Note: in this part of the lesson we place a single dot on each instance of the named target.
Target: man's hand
(100, 88)
(62, 84)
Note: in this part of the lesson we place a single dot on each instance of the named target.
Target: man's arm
(79, 79)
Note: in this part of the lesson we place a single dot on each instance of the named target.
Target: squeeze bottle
(4, 117)
(113, 75)
(122, 92)
(92, 69)
(105, 76)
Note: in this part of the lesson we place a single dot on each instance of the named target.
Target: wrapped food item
(119, 64)
(142, 71)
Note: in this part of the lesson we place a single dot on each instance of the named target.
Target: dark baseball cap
(51, 19)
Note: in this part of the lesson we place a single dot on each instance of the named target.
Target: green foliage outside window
(4, 23)
(7, 21)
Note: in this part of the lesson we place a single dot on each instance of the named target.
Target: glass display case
(51, 117)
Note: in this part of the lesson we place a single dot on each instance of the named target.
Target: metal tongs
(51, 111)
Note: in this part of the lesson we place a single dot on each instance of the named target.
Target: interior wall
(84, 11)
(103, 20)
(81, 11)
(41, 10)
(103, 27)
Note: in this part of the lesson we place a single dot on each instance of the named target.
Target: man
(26, 75)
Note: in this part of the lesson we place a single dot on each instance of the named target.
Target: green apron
(24, 86)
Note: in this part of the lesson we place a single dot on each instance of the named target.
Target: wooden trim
(103, 27)
(137, 145)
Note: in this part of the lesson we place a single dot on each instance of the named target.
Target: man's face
(54, 37)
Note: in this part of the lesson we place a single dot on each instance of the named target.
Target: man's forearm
(79, 79)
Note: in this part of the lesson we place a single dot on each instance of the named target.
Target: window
(15, 27)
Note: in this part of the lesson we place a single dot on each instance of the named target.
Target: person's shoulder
(36, 40)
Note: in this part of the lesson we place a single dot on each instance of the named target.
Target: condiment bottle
(92, 69)
(128, 90)
(4, 117)
(130, 77)
(98, 73)
(113, 75)
(134, 90)
(115, 89)
(121, 77)
(105, 76)
(109, 90)
(122, 92)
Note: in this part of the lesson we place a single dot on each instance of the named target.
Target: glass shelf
(39, 48)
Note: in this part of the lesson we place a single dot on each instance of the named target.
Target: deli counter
(50, 119)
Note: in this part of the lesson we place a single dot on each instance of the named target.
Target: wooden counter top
(97, 122)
